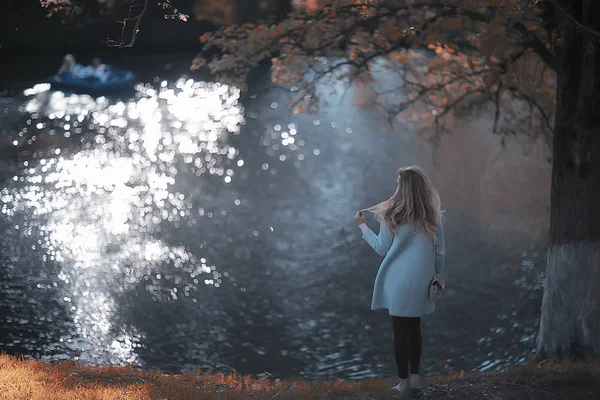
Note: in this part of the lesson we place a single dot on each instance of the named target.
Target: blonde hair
(415, 202)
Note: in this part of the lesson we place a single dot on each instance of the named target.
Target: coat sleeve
(380, 243)
(440, 249)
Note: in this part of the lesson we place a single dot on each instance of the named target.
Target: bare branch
(584, 28)
(136, 20)
(538, 46)
(497, 104)
(518, 94)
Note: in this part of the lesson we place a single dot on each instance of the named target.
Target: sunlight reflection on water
(95, 211)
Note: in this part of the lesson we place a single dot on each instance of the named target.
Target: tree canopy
(447, 54)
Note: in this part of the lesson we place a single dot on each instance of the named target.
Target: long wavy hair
(414, 202)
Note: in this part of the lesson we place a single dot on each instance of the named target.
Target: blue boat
(115, 80)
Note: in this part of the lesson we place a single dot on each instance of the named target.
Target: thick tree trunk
(570, 321)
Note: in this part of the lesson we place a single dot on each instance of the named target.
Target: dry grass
(22, 379)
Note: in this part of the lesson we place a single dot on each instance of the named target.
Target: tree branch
(172, 13)
(497, 103)
(138, 21)
(518, 94)
(587, 29)
(532, 41)
(538, 46)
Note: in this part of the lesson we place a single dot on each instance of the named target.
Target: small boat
(116, 80)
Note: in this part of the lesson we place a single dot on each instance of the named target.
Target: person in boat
(96, 70)
(70, 66)
(99, 70)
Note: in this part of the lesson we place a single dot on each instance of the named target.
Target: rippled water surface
(184, 227)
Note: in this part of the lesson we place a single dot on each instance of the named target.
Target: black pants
(407, 345)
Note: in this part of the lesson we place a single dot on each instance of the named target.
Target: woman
(410, 233)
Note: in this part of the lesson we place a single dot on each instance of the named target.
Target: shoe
(415, 383)
(402, 387)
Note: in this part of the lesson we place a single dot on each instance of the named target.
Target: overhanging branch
(538, 46)
(531, 40)
(136, 20)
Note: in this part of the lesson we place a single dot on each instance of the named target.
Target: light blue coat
(402, 282)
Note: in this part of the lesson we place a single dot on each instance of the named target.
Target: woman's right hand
(359, 217)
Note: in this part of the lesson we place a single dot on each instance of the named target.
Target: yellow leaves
(313, 5)
(365, 47)
(296, 42)
(219, 12)
(198, 63)
(260, 29)
(310, 6)
(280, 78)
(400, 57)
(206, 37)
(470, 63)
(531, 26)
(41, 381)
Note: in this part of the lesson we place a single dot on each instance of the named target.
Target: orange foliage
(454, 51)
(400, 57)
(34, 380)
(219, 12)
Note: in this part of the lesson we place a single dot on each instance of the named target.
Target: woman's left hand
(359, 217)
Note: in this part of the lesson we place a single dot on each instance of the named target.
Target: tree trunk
(570, 320)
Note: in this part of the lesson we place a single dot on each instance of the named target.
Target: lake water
(189, 225)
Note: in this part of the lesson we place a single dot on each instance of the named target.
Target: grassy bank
(21, 379)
